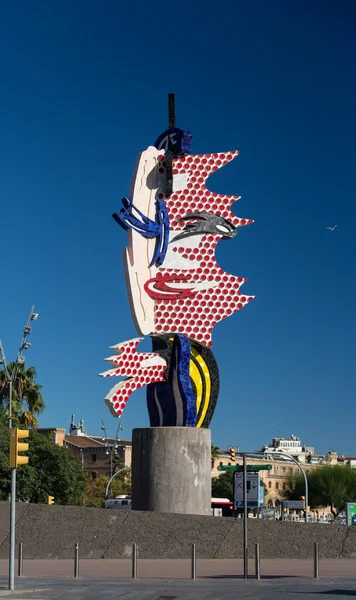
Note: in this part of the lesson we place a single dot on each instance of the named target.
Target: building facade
(277, 480)
(103, 455)
(294, 447)
(97, 455)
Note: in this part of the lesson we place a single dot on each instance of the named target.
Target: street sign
(253, 490)
(250, 468)
(262, 494)
(350, 514)
(293, 504)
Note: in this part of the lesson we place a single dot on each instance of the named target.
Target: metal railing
(193, 562)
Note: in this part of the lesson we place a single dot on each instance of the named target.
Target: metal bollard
(257, 562)
(76, 560)
(20, 563)
(316, 560)
(194, 563)
(134, 561)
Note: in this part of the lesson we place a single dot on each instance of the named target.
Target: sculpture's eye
(223, 228)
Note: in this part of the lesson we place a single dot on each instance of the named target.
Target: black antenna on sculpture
(171, 111)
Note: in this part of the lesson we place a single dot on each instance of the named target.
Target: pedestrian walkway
(181, 569)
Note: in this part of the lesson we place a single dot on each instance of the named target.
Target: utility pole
(245, 517)
(112, 449)
(171, 111)
(11, 378)
(245, 468)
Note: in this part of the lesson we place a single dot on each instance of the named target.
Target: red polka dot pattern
(195, 316)
(196, 196)
(128, 363)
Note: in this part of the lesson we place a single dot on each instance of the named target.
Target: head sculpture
(177, 291)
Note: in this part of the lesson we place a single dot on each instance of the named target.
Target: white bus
(120, 502)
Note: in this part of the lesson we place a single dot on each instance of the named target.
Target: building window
(93, 474)
(93, 457)
(269, 485)
(277, 485)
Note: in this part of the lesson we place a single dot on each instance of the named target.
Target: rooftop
(84, 441)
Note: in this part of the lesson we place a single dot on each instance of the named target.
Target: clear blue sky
(84, 89)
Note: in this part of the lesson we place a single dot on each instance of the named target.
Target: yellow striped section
(205, 370)
(195, 375)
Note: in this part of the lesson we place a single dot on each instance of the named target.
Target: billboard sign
(294, 504)
(268, 514)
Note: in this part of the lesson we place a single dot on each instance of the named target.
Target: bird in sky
(331, 228)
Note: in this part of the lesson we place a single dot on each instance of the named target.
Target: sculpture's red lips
(170, 286)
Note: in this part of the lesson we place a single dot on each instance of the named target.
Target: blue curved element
(161, 405)
(173, 403)
(163, 236)
(181, 379)
(149, 229)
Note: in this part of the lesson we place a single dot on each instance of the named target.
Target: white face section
(180, 181)
(153, 361)
(139, 253)
(175, 260)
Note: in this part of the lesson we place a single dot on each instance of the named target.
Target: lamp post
(286, 457)
(10, 377)
(113, 477)
(112, 450)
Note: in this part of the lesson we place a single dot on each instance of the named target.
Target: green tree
(330, 485)
(94, 494)
(215, 453)
(222, 486)
(27, 401)
(52, 471)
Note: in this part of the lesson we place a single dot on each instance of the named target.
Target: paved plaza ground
(201, 589)
(170, 580)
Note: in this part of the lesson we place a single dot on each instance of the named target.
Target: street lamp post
(10, 378)
(111, 479)
(112, 449)
(286, 457)
(251, 455)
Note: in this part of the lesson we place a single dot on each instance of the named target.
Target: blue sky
(83, 90)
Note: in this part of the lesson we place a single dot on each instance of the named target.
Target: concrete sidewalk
(181, 569)
(201, 589)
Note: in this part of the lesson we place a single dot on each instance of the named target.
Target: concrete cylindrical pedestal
(171, 470)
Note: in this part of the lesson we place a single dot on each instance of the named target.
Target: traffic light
(16, 447)
(50, 500)
(232, 454)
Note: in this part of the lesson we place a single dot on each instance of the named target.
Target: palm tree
(27, 401)
(215, 453)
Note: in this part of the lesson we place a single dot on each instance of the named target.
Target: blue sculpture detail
(173, 403)
(163, 236)
(146, 227)
(178, 141)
